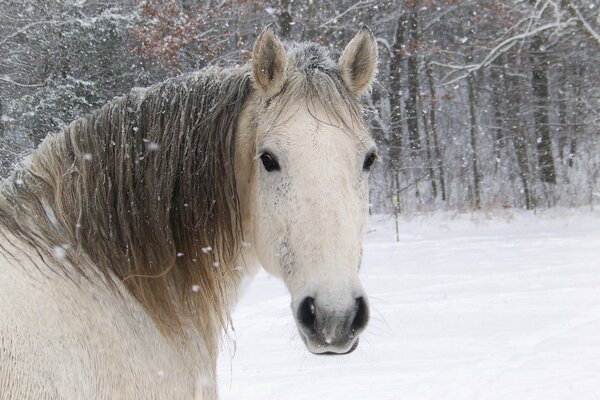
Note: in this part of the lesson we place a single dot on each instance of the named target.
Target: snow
(466, 306)
(59, 252)
(152, 146)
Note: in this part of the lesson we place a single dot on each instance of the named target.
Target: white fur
(57, 338)
(318, 201)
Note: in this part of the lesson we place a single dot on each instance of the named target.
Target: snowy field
(466, 306)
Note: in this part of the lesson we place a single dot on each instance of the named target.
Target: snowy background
(477, 104)
(466, 306)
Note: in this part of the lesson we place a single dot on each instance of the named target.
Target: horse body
(125, 239)
(58, 336)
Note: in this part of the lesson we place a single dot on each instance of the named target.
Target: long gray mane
(142, 187)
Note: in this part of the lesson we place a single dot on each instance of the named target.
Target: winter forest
(477, 104)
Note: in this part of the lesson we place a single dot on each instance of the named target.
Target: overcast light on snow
(466, 306)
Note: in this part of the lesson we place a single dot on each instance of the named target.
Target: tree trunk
(512, 85)
(474, 147)
(396, 127)
(562, 131)
(577, 115)
(412, 70)
(539, 83)
(312, 31)
(434, 133)
(379, 128)
(285, 19)
(396, 202)
(1, 119)
(430, 169)
(520, 144)
(496, 76)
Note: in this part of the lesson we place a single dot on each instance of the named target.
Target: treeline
(478, 104)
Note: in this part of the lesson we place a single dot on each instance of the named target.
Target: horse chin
(324, 349)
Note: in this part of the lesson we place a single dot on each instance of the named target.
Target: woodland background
(477, 105)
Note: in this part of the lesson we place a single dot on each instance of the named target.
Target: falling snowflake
(59, 252)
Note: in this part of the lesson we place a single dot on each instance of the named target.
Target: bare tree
(473, 103)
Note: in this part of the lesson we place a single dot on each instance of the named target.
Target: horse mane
(145, 189)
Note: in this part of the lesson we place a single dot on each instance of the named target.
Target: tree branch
(589, 29)
(23, 29)
(359, 5)
(505, 45)
(8, 80)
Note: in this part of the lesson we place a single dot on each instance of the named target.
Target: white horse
(125, 238)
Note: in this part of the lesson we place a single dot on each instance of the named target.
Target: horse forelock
(314, 80)
(145, 188)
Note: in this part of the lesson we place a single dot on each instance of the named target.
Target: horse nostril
(361, 317)
(307, 314)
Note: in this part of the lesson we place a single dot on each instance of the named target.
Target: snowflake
(59, 252)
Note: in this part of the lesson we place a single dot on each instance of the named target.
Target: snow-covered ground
(468, 306)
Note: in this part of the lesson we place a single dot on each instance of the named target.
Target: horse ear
(358, 62)
(268, 63)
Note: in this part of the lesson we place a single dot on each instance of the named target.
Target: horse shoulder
(72, 340)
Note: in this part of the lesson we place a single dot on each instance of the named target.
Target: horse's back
(75, 339)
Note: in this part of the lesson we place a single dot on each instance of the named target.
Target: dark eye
(369, 160)
(269, 161)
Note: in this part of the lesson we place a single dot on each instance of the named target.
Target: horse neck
(141, 217)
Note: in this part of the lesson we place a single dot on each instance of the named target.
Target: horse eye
(269, 162)
(369, 161)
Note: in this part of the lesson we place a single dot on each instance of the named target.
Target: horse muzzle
(328, 329)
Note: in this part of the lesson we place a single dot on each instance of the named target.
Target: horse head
(304, 156)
